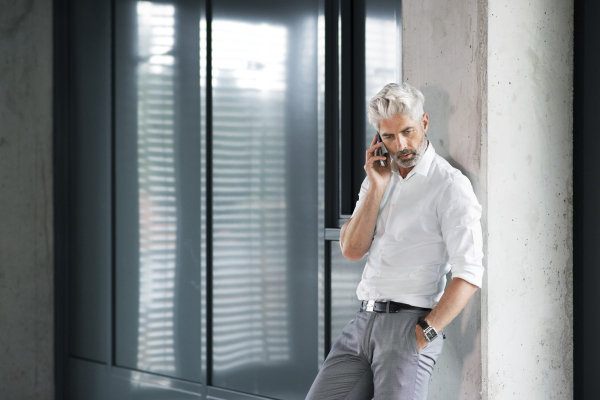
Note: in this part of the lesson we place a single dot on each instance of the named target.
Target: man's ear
(425, 122)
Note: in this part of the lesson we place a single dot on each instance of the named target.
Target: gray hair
(393, 100)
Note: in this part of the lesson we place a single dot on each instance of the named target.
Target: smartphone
(379, 151)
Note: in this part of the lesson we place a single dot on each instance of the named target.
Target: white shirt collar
(422, 167)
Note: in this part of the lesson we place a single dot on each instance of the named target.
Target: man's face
(405, 139)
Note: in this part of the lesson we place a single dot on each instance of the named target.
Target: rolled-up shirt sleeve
(459, 214)
(361, 195)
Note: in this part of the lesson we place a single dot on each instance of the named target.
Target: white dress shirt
(428, 224)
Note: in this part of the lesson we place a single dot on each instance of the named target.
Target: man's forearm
(454, 299)
(357, 234)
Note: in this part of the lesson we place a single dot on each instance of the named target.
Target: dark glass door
(215, 152)
(264, 196)
(157, 188)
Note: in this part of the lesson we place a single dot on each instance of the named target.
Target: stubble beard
(414, 160)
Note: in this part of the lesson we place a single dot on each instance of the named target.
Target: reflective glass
(345, 277)
(265, 195)
(249, 209)
(383, 49)
(158, 220)
(156, 187)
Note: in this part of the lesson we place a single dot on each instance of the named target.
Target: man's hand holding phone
(379, 175)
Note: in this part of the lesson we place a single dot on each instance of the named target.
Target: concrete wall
(529, 283)
(26, 224)
(497, 79)
(444, 55)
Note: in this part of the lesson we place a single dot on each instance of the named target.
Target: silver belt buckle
(370, 305)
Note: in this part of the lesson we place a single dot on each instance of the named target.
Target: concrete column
(497, 80)
(528, 316)
(26, 207)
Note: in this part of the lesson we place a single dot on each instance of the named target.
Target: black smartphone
(379, 151)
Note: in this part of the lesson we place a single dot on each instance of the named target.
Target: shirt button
(393, 204)
(381, 250)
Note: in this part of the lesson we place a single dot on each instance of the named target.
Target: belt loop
(387, 308)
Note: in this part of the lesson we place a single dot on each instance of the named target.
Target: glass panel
(265, 196)
(158, 209)
(158, 194)
(383, 49)
(345, 277)
(249, 208)
(321, 187)
(203, 180)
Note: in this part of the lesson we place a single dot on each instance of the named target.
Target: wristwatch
(428, 330)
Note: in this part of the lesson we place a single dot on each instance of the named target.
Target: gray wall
(444, 55)
(26, 207)
(497, 78)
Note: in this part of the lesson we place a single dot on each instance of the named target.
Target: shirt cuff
(471, 273)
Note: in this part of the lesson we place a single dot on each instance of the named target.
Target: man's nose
(402, 144)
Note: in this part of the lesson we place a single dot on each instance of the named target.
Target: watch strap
(429, 331)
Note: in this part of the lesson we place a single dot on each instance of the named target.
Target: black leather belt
(388, 306)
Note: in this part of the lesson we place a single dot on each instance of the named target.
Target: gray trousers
(376, 357)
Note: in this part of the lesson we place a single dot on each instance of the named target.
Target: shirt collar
(422, 167)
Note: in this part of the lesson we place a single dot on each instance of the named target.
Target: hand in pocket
(421, 341)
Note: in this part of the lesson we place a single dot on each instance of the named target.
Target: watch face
(431, 335)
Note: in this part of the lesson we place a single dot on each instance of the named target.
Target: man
(417, 218)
